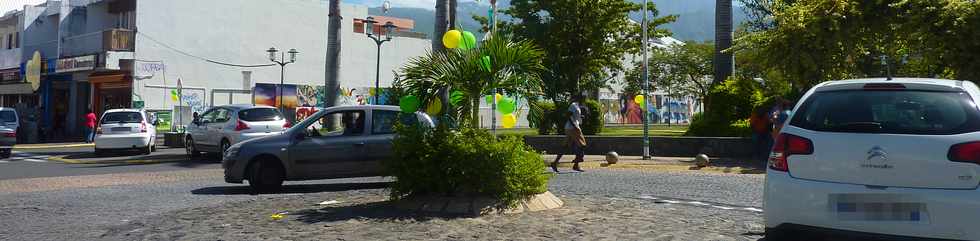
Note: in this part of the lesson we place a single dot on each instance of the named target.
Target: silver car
(223, 126)
(337, 142)
(8, 130)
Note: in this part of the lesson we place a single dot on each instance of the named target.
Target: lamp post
(282, 74)
(646, 83)
(386, 30)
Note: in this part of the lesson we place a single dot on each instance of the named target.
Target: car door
(330, 147)
(198, 130)
(216, 127)
(379, 142)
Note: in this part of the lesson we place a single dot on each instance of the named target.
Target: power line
(199, 57)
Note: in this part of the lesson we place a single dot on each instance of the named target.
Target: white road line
(699, 203)
(34, 160)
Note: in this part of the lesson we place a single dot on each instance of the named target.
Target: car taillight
(241, 126)
(11, 134)
(143, 127)
(884, 86)
(287, 125)
(787, 145)
(965, 152)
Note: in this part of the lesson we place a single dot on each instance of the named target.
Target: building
(663, 106)
(177, 57)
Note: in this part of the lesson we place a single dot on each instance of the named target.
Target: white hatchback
(125, 129)
(878, 158)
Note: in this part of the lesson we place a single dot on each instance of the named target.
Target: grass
(617, 130)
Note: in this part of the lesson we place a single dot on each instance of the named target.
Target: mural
(625, 111)
(194, 100)
(300, 101)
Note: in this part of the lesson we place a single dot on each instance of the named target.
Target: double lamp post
(386, 30)
(282, 74)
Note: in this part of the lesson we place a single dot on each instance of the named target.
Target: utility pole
(646, 87)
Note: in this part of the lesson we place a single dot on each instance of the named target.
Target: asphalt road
(72, 213)
(51, 162)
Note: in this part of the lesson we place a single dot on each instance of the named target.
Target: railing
(98, 42)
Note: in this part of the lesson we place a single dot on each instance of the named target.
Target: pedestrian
(574, 139)
(780, 116)
(761, 137)
(89, 126)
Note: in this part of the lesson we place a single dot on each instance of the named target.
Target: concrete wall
(83, 29)
(40, 33)
(730, 147)
(241, 32)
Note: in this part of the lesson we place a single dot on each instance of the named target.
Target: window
(892, 112)
(16, 39)
(10, 41)
(342, 123)
(221, 115)
(383, 122)
(8, 116)
(209, 116)
(122, 117)
(260, 114)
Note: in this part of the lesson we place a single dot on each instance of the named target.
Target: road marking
(699, 203)
(52, 146)
(17, 156)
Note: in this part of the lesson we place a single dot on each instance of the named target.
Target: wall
(40, 33)
(83, 29)
(731, 147)
(10, 58)
(232, 32)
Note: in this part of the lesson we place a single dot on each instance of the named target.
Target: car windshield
(260, 114)
(8, 116)
(891, 112)
(122, 117)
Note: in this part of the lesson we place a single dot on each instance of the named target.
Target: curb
(31, 146)
(663, 167)
(62, 159)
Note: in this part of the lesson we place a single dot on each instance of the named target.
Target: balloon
(508, 121)
(469, 40)
(434, 107)
(506, 105)
(456, 97)
(489, 99)
(485, 63)
(499, 96)
(409, 104)
(638, 99)
(452, 38)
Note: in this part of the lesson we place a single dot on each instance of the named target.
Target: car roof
(8, 108)
(364, 107)
(909, 83)
(123, 110)
(245, 106)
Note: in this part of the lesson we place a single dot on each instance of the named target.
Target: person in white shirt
(575, 140)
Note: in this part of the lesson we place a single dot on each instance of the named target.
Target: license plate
(120, 129)
(878, 208)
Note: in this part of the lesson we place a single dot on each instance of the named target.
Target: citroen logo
(877, 153)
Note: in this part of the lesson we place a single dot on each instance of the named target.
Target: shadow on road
(298, 188)
(385, 210)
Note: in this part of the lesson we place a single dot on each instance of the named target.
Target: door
(217, 126)
(199, 129)
(331, 146)
(379, 142)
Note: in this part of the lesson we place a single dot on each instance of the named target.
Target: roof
(910, 83)
(123, 110)
(365, 107)
(245, 106)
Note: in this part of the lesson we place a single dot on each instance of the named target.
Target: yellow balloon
(498, 97)
(452, 39)
(434, 107)
(638, 99)
(509, 121)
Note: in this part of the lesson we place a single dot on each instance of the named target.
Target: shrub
(728, 103)
(468, 161)
(540, 116)
(592, 121)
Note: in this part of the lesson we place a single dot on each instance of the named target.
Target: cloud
(7, 5)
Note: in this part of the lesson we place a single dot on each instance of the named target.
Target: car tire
(5, 154)
(265, 176)
(191, 148)
(146, 150)
(224, 147)
(99, 152)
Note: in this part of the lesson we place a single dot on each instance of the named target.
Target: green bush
(464, 162)
(728, 104)
(592, 121)
(540, 116)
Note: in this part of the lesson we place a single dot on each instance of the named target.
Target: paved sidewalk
(716, 165)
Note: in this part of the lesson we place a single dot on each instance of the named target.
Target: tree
(441, 25)
(516, 67)
(333, 54)
(682, 69)
(584, 40)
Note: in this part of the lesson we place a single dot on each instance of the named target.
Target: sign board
(165, 118)
(10, 76)
(32, 70)
(79, 63)
(138, 104)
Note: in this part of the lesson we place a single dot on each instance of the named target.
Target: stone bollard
(701, 160)
(612, 157)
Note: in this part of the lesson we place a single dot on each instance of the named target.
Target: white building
(131, 53)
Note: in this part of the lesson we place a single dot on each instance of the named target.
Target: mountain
(696, 18)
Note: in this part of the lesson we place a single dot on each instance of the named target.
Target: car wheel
(5, 153)
(265, 176)
(99, 152)
(224, 147)
(190, 148)
(146, 150)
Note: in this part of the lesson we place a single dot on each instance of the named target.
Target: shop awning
(16, 89)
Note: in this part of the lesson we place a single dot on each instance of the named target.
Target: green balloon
(489, 99)
(456, 97)
(409, 104)
(506, 105)
(469, 40)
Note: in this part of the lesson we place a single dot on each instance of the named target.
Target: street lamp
(387, 30)
(646, 83)
(282, 74)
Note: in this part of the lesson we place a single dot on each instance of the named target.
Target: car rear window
(8, 116)
(122, 117)
(260, 114)
(889, 112)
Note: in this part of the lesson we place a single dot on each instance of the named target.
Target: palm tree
(441, 25)
(516, 67)
(332, 81)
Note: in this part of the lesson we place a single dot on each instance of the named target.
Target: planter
(173, 139)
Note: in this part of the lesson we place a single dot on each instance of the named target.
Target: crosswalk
(25, 157)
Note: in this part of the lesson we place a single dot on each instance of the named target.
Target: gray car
(337, 142)
(223, 126)
(8, 130)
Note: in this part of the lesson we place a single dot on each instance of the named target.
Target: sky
(404, 3)
(7, 5)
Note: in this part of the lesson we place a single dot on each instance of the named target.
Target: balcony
(10, 58)
(99, 42)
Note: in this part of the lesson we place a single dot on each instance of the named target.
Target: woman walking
(574, 138)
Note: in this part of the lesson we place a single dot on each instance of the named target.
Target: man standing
(89, 126)
(574, 138)
(761, 137)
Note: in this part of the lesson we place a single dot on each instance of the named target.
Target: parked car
(337, 142)
(223, 126)
(125, 129)
(9, 122)
(878, 158)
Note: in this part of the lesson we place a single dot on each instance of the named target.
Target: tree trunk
(332, 82)
(723, 40)
(441, 25)
(452, 14)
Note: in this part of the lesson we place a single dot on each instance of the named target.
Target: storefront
(14, 90)
(111, 90)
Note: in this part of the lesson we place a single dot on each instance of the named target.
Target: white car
(878, 158)
(8, 130)
(223, 126)
(125, 129)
